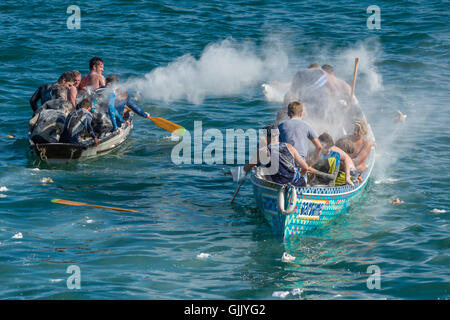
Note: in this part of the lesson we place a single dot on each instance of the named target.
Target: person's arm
(87, 123)
(136, 109)
(363, 154)
(348, 164)
(302, 163)
(34, 99)
(101, 81)
(73, 96)
(281, 84)
(113, 114)
(255, 159)
(318, 146)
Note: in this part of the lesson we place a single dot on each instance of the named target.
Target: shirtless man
(94, 78)
(362, 145)
(341, 87)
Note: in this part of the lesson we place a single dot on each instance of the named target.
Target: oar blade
(75, 203)
(168, 126)
(68, 202)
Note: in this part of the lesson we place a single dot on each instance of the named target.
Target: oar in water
(238, 187)
(166, 124)
(75, 203)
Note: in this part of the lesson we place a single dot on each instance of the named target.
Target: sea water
(206, 61)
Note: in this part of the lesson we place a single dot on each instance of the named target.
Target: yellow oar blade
(168, 126)
(75, 203)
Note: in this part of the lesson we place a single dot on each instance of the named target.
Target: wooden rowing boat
(313, 207)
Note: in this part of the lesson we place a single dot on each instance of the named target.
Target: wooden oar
(75, 203)
(238, 187)
(354, 80)
(166, 124)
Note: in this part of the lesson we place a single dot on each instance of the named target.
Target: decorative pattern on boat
(315, 205)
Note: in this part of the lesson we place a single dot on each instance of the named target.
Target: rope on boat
(285, 189)
(42, 154)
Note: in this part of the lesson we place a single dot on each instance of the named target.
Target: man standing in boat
(94, 79)
(297, 132)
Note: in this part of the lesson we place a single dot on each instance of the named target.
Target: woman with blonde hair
(362, 145)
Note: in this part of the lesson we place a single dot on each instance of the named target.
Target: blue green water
(184, 210)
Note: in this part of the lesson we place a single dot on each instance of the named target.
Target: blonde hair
(362, 127)
(76, 73)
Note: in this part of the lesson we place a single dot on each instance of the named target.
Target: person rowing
(119, 103)
(283, 166)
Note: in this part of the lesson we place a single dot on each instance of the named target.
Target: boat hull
(315, 206)
(66, 152)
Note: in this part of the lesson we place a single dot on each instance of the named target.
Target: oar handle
(355, 72)
(111, 208)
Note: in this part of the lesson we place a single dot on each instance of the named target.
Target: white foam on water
(287, 257)
(203, 255)
(274, 93)
(280, 294)
(386, 180)
(3, 189)
(3, 195)
(435, 210)
(56, 280)
(18, 236)
(296, 291)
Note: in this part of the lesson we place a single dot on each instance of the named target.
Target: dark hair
(295, 108)
(94, 61)
(346, 144)
(270, 127)
(326, 140)
(68, 76)
(59, 92)
(112, 79)
(314, 65)
(328, 68)
(85, 103)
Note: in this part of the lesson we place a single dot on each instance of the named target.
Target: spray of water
(224, 68)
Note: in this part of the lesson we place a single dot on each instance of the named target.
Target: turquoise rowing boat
(309, 207)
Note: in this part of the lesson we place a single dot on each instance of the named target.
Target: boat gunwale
(126, 132)
(259, 182)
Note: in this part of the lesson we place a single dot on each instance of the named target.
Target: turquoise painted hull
(315, 205)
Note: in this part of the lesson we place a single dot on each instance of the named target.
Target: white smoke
(224, 68)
